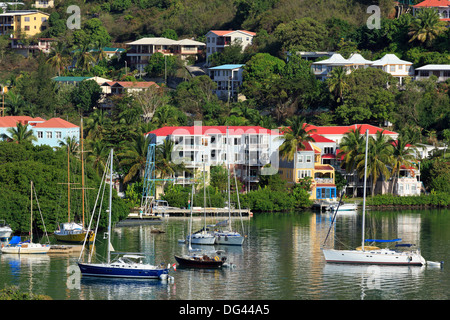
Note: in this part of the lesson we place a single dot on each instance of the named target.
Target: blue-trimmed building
(228, 78)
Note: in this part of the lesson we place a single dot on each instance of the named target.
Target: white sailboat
(202, 236)
(227, 236)
(26, 247)
(5, 231)
(371, 254)
(129, 265)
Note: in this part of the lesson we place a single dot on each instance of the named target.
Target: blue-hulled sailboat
(129, 265)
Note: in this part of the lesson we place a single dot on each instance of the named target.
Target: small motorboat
(200, 260)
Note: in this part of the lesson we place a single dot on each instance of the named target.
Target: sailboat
(26, 247)
(227, 236)
(130, 265)
(5, 231)
(372, 254)
(197, 258)
(71, 231)
(202, 236)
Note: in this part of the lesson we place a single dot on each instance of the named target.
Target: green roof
(70, 78)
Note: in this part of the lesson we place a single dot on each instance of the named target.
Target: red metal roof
(130, 84)
(225, 32)
(207, 130)
(319, 138)
(344, 129)
(11, 121)
(433, 3)
(55, 123)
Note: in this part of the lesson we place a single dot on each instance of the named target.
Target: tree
(426, 26)
(134, 157)
(294, 135)
(379, 156)
(57, 57)
(350, 147)
(337, 83)
(86, 95)
(84, 58)
(165, 165)
(20, 134)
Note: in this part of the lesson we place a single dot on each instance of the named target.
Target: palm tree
(402, 155)
(58, 58)
(134, 157)
(165, 116)
(85, 59)
(20, 134)
(350, 147)
(97, 154)
(337, 83)
(71, 143)
(427, 26)
(96, 123)
(15, 103)
(295, 134)
(165, 165)
(379, 157)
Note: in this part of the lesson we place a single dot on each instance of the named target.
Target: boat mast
(31, 215)
(364, 191)
(228, 174)
(110, 205)
(82, 173)
(68, 183)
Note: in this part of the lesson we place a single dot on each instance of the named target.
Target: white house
(228, 78)
(398, 68)
(142, 49)
(442, 7)
(441, 71)
(217, 40)
(246, 148)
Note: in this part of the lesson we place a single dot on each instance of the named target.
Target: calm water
(280, 260)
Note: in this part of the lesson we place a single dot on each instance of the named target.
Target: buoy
(435, 264)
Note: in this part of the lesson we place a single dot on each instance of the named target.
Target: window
(300, 159)
(27, 28)
(392, 68)
(400, 67)
(27, 19)
(48, 134)
(447, 73)
(40, 134)
(58, 135)
(308, 159)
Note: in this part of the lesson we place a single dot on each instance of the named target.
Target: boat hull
(381, 257)
(26, 249)
(202, 239)
(198, 263)
(110, 271)
(229, 238)
(76, 237)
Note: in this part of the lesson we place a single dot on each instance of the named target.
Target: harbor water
(281, 259)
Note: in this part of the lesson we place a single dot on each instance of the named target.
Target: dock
(196, 211)
(65, 249)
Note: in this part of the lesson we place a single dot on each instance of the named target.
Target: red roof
(207, 130)
(433, 3)
(11, 121)
(225, 32)
(344, 129)
(131, 84)
(55, 123)
(319, 138)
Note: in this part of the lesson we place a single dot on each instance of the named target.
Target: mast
(68, 183)
(190, 221)
(31, 215)
(364, 191)
(204, 192)
(228, 174)
(82, 173)
(110, 205)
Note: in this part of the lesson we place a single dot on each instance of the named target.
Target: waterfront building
(246, 148)
(141, 50)
(217, 40)
(228, 78)
(48, 132)
(27, 22)
(440, 71)
(307, 162)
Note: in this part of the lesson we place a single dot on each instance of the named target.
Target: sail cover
(381, 240)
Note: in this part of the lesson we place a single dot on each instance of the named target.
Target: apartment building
(27, 22)
(217, 40)
(48, 132)
(307, 162)
(228, 78)
(245, 148)
(141, 50)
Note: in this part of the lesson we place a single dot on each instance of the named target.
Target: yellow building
(27, 22)
(308, 163)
